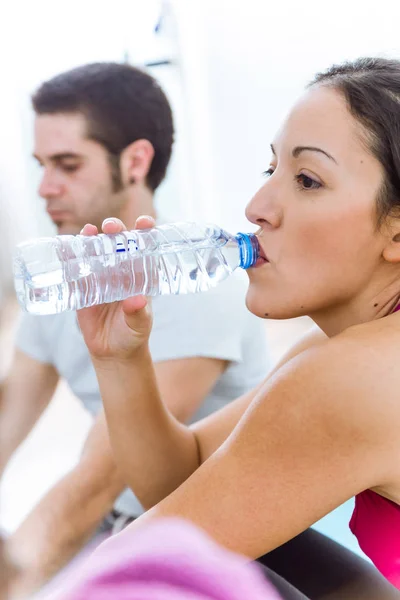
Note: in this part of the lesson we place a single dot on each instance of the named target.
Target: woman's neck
(342, 317)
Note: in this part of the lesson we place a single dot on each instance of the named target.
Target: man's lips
(57, 215)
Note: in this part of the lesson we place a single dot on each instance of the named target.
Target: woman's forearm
(154, 451)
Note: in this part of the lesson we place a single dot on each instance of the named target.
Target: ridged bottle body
(71, 272)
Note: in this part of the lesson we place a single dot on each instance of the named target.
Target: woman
(324, 427)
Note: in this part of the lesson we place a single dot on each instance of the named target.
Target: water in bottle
(69, 272)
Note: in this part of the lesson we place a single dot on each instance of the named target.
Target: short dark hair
(121, 104)
(371, 88)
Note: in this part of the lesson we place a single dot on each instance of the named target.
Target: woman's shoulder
(375, 345)
(357, 370)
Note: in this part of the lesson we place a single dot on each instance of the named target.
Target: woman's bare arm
(312, 439)
(154, 451)
(213, 430)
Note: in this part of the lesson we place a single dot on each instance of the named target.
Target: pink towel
(167, 560)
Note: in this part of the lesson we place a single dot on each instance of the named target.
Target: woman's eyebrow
(299, 149)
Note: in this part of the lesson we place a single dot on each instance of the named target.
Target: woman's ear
(391, 252)
(135, 162)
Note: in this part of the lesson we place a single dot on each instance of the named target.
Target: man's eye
(70, 168)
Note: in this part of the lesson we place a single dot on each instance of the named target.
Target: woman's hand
(118, 329)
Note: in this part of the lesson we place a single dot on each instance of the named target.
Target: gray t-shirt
(213, 324)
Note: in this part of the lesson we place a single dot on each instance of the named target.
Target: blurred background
(230, 69)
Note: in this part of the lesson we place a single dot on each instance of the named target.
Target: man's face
(7, 572)
(77, 180)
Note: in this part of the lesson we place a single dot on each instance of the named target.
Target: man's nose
(49, 186)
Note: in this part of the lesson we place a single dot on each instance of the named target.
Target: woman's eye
(268, 173)
(307, 183)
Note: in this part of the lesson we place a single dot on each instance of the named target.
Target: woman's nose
(263, 210)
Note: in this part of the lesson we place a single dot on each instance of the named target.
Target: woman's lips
(262, 259)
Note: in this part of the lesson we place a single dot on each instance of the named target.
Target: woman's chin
(268, 307)
(256, 306)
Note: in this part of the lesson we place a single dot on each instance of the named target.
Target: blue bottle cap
(248, 248)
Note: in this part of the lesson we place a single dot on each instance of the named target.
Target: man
(103, 136)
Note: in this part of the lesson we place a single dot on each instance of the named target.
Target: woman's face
(317, 215)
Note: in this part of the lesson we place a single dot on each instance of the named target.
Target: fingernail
(109, 220)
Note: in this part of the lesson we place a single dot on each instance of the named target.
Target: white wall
(245, 62)
(42, 38)
(239, 66)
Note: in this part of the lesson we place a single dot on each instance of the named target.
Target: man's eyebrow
(60, 156)
(299, 149)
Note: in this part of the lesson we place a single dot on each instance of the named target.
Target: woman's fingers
(89, 229)
(137, 314)
(133, 304)
(145, 222)
(113, 225)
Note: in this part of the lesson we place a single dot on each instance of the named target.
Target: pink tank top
(376, 525)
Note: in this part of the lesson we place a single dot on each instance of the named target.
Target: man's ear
(135, 162)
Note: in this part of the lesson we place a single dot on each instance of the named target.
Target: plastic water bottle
(69, 272)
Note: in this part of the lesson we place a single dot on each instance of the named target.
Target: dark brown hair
(371, 87)
(121, 104)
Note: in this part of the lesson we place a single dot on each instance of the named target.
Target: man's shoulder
(227, 298)
(47, 323)
(43, 334)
